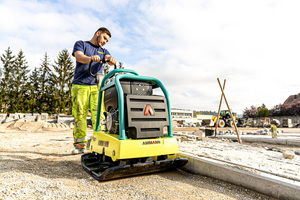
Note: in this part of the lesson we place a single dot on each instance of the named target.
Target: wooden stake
(235, 127)
(220, 105)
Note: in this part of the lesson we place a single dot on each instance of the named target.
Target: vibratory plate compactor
(130, 139)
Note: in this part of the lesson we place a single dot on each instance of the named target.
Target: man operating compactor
(84, 88)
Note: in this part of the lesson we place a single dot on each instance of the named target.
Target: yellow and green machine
(129, 138)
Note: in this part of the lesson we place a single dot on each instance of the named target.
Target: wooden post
(235, 127)
(220, 105)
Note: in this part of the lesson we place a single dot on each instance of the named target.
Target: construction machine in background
(225, 119)
(275, 122)
(265, 122)
(129, 137)
(244, 122)
(287, 123)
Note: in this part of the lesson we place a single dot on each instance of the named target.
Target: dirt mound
(32, 126)
(55, 127)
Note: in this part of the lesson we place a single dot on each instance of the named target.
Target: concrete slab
(30, 118)
(2, 117)
(264, 183)
(44, 116)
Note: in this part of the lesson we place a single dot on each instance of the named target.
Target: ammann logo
(148, 110)
(151, 142)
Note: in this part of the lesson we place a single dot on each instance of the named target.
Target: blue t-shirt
(81, 75)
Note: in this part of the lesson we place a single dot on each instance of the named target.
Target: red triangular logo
(148, 110)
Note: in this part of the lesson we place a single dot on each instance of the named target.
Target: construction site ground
(36, 163)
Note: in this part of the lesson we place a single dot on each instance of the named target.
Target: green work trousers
(84, 98)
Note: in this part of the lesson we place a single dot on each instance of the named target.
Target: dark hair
(104, 30)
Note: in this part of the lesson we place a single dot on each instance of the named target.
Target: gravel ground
(39, 166)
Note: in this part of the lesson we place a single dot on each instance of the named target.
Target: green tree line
(45, 89)
(253, 111)
(277, 110)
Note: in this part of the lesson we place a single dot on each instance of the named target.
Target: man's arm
(80, 57)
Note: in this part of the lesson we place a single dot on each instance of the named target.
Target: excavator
(129, 137)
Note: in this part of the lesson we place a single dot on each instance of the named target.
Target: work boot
(78, 151)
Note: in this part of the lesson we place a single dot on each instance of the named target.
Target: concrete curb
(266, 139)
(264, 183)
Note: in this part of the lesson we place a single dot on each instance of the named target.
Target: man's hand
(96, 58)
(111, 60)
(80, 57)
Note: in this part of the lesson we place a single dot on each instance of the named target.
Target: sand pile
(32, 126)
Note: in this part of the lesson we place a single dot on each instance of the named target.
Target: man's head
(101, 36)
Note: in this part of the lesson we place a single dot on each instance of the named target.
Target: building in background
(292, 101)
(182, 116)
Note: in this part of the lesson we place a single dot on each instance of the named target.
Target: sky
(187, 44)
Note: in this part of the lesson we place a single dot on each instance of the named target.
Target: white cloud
(254, 45)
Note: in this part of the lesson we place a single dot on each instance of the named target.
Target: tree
(263, 111)
(34, 93)
(106, 67)
(45, 74)
(7, 78)
(42, 90)
(277, 110)
(45, 96)
(19, 83)
(61, 80)
(0, 72)
(251, 112)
